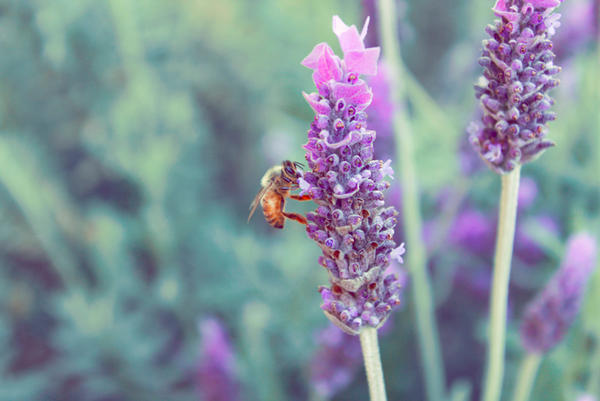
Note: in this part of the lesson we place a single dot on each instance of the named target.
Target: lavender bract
(351, 225)
(549, 316)
(518, 73)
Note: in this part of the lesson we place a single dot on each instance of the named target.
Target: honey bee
(276, 184)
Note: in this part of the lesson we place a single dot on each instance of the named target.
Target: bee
(276, 184)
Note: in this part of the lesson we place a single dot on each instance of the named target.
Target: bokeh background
(133, 135)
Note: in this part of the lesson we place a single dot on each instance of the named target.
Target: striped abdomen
(272, 204)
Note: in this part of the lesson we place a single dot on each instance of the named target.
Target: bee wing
(257, 200)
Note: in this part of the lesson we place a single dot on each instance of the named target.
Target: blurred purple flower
(382, 110)
(476, 280)
(580, 27)
(405, 30)
(216, 368)
(351, 225)
(335, 362)
(394, 196)
(527, 249)
(586, 397)
(528, 191)
(518, 71)
(473, 231)
(548, 317)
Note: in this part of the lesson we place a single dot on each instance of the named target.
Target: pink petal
(363, 61)
(359, 95)
(351, 40)
(386, 169)
(312, 59)
(512, 17)
(545, 3)
(347, 35)
(500, 6)
(338, 25)
(363, 33)
(325, 63)
(303, 184)
(398, 252)
(320, 106)
(319, 81)
(363, 100)
(347, 91)
(329, 66)
(501, 10)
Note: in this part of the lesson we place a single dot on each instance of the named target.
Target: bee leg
(295, 216)
(300, 197)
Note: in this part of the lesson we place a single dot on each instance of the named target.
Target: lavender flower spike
(549, 316)
(518, 71)
(351, 225)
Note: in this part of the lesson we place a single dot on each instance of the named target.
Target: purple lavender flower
(580, 27)
(473, 231)
(549, 316)
(382, 109)
(528, 191)
(335, 362)
(381, 112)
(216, 368)
(528, 249)
(351, 225)
(518, 71)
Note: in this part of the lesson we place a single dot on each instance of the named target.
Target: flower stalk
(518, 73)
(427, 333)
(526, 378)
(370, 349)
(499, 296)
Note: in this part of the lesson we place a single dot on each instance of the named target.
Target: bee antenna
(298, 164)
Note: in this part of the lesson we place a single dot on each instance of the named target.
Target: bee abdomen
(271, 204)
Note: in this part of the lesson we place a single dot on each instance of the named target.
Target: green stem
(499, 297)
(427, 334)
(256, 316)
(448, 214)
(370, 350)
(526, 378)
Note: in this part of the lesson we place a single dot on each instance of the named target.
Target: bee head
(290, 169)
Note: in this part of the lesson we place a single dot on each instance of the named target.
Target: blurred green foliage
(132, 138)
